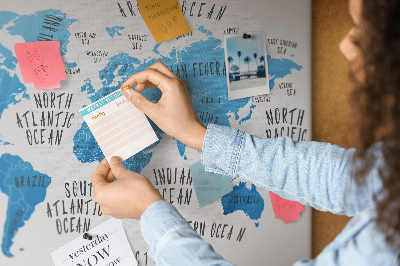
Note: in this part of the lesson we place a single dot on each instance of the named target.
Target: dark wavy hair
(375, 103)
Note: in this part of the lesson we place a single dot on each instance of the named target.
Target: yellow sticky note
(164, 18)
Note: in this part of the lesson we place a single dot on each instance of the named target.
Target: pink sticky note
(41, 63)
(286, 210)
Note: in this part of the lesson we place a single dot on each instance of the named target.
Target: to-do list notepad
(118, 126)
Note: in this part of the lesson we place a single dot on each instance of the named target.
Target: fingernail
(124, 88)
(128, 93)
(115, 160)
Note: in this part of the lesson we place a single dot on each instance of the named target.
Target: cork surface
(331, 89)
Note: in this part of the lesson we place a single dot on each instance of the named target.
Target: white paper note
(118, 126)
(109, 246)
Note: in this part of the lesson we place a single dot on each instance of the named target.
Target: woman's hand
(174, 113)
(127, 197)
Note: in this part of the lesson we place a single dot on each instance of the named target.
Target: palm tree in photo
(239, 55)
(247, 60)
(262, 59)
(230, 60)
(255, 60)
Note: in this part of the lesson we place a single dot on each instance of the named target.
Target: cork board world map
(47, 152)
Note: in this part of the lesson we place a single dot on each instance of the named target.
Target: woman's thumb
(138, 100)
(117, 167)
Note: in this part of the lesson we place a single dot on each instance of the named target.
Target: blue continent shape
(247, 200)
(279, 68)
(114, 30)
(30, 26)
(12, 91)
(22, 197)
(70, 65)
(2, 142)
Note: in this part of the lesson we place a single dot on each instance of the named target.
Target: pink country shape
(286, 210)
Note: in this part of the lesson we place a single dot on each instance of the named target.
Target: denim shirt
(312, 173)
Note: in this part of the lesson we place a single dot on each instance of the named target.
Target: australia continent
(244, 199)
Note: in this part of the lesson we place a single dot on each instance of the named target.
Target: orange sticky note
(41, 63)
(284, 209)
(164, 18)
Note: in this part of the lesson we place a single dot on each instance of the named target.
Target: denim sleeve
(172, 241)
(312, 173)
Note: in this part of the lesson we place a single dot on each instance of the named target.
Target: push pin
(246, 36)
(87, 236)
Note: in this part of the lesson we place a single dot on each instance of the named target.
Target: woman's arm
(172, 241)
(170, 238)
(312, 173)
(315, 174)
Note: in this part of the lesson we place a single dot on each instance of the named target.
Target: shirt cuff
(222, 147)
(158, 219)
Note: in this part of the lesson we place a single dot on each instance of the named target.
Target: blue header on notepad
(94, 106)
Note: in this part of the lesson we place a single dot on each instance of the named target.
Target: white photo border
(248, 92)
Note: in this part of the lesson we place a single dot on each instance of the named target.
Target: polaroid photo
(247, 67)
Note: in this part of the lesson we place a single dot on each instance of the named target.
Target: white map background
(101, 48)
